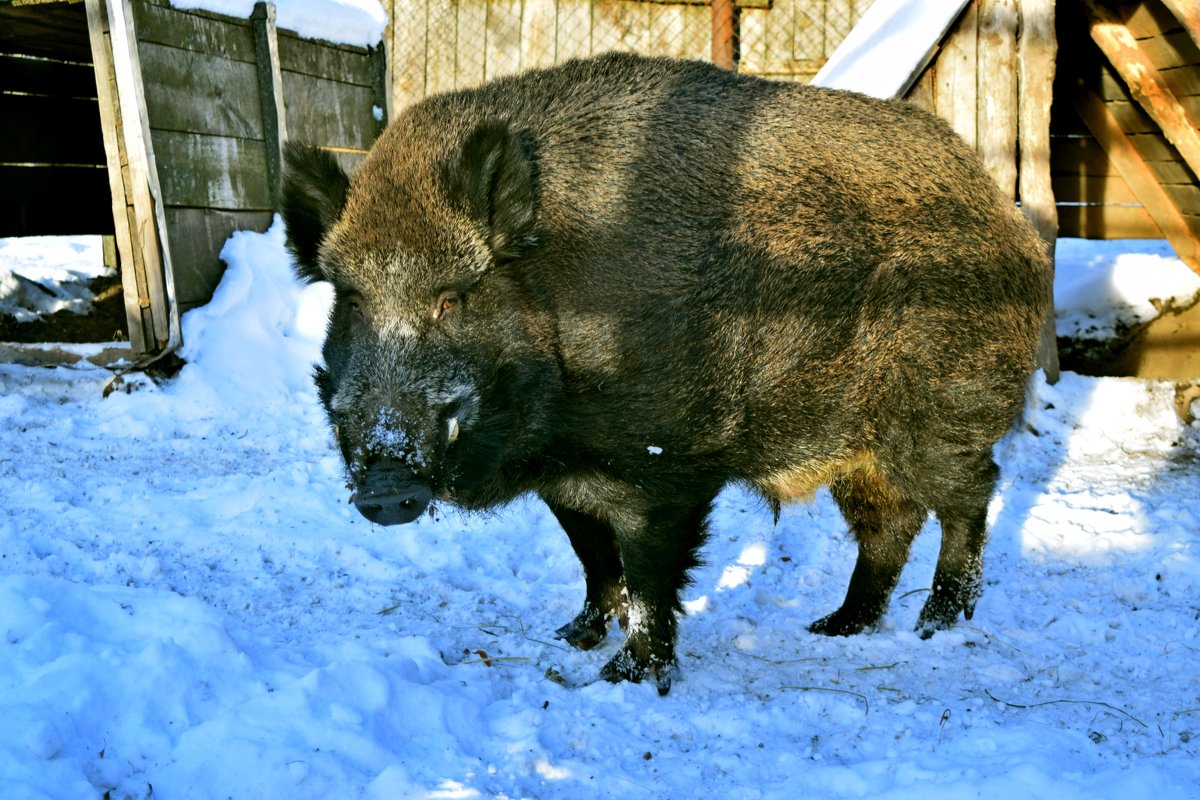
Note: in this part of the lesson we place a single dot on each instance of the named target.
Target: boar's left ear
(495, 178)
(314, 193)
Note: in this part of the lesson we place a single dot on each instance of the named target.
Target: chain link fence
(437, 45)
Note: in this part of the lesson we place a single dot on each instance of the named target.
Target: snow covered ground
(190, 608)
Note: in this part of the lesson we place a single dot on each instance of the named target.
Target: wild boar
(624, 282)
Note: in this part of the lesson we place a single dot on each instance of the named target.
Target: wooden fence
(437, 45)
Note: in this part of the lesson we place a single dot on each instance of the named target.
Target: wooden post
(270, 91)
(723, 18)
(1145, 82)
(1037, 49)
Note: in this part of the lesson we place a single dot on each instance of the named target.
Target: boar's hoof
(393, 504)
(624, 666)
(839, 623)
(942, 609)
(587, 630)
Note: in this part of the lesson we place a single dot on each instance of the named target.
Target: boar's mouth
(389, 494)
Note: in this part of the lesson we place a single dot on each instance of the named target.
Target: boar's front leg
(595, 544)
(657, 554)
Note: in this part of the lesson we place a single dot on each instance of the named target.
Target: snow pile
(191, 609)
(355, 22)
(1102, 287)
(44, 274)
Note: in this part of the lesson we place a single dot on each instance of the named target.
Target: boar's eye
(448, 302)
(358, 308)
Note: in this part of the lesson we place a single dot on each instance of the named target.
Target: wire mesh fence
(436, 45)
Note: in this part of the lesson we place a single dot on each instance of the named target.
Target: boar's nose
(388, 495)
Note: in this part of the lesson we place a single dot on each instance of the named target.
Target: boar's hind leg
(596, 545)
(958, 577)
(885, 524)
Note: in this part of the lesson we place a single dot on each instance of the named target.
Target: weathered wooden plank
(1106, 222)
(957, 76)
(50, 130)
(682, 31)
(1186, 197)
(224, 37)
(538, 47)
(1132, 118)
(440, 48)
(1187, 12)
(1145, 84)
(44, 77)
(470, 68)
(406, 51)
(1139, 176)
(1037, 50)
(189, 91)
(503, 47)
(573, 36)
(997, 117)
(1183, 81)
(923, 91)
(1093, 190)
(1153, 147)
(1146, 20)
(619, 25)
(55, 31)
(1171, 50)
(342, 63)
(328, 113)
(54, 201)
(197, 235)
(212, 171)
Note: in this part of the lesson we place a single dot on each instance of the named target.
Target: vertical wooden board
(839, 19)
(503, 38)
(538, 34)
(407, 53)
(697, 32)
(770, 38)
(923, 92)
(957, 72)
(752, 40)
(441, 40)
(470, 45)
(666, 30)
(620, 25)
(573, 32)
(997, 116)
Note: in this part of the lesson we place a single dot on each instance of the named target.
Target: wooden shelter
(163, 127)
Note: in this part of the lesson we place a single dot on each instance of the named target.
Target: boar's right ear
(314, 193)
(495, 178)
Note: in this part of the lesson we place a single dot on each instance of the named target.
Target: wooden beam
(1037, 49)
(1138, 174)
(1188, 14)
(1145, 82)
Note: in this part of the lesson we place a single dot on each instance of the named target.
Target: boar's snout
(389, 494)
